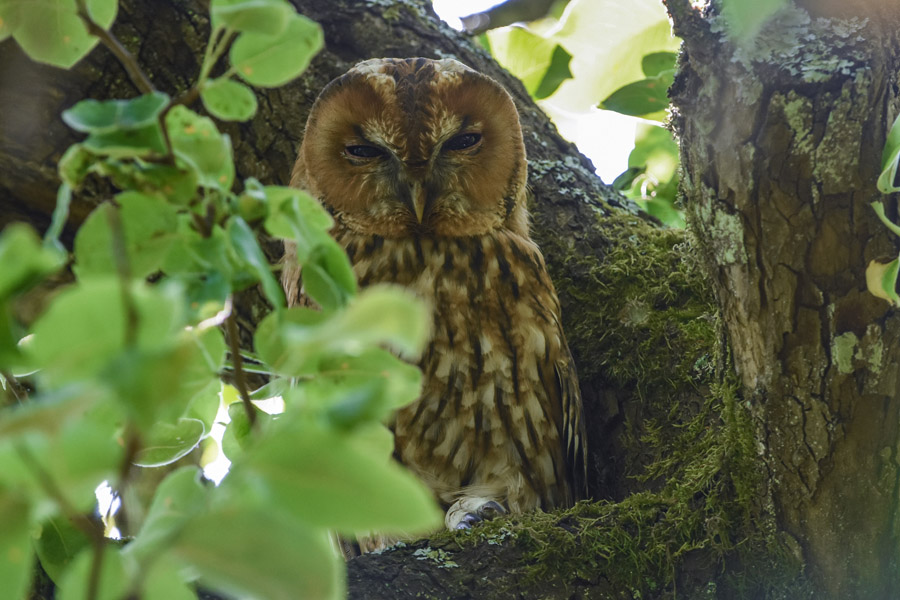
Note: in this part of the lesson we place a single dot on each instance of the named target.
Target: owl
(422, 165)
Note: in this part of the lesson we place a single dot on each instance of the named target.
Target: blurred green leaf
(16, 555)
(293, 342)
(198, 144)
(328, 277)
(888, 181)
(177, 185)
(114, 580)
(879, 210)
(294, 559)
(51, 32)
(165, 580)
(745, 19)
(84, 328)
(272, 60)
(269, 17)
(541, 63)
(881, 280)
(246, 245)
(297, 216)
(107, 116)
(148, 226)
(315, 474)
(178, 498)
(9, 17)
(656, 63)
(75, 165)
(228, 100)
(641, 98)
(123, 128)
(26, 261)
(167, 442)
(58, 543)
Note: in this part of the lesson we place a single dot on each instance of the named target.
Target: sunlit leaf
(327, 275)
(881, 280)
(297, 216)
(50, 31)
(541, 63)
(268, 17)
(246, 244)
(269, 61)
(168, 442)
(888, 181)
(123, 128)
(228, 100)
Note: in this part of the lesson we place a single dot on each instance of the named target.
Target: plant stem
(137, 76)
(120, 252)
(240, 379)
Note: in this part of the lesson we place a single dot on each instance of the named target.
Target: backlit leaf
(228, 100)
(51, 31)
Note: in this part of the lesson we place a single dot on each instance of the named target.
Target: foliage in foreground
(124, 365)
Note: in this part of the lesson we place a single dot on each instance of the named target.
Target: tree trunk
(781, 145)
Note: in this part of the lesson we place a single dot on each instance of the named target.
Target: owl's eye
(462, 141)
(364, 151)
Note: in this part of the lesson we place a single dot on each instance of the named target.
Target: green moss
(642, 306)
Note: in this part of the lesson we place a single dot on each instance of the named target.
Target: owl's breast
(487, 413)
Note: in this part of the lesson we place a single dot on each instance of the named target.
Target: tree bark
(781, 144)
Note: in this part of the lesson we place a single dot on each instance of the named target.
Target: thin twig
(239, 378)
(123, 268)
(137, 76)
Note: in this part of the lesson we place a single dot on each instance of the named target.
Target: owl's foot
(468, 511)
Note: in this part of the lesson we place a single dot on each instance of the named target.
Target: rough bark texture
(781, 146)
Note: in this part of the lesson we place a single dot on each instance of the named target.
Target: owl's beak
(417, 195)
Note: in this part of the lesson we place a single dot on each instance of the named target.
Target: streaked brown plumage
(422, 165)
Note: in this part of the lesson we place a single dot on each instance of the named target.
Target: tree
(686, 505)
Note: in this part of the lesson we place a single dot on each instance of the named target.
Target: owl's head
(400, 147)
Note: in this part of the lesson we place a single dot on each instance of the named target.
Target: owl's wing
(571, 424)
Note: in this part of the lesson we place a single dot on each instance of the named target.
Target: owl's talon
(468, 512)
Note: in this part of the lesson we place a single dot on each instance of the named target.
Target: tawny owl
(422, 164)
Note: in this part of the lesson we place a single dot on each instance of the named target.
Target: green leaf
(168, 442)
(248, 248)
(641, 98)
(16, 555)
(84, 328)
(532, 58)
(198, 144)
(148, 225)
(228, 100)
(114, 581)
(888, 181)
(108, 116)
(75, 165)
(9, 17)
(881, 280)
(177, 185)
(178, 498)
(297, 216)
(878, 207)
(656, 62)
(557, 72)
(293, 342)
(269, 61)
(328, 277)
(318, 476)
(268, 17)
(26, 261)
(58, 543)
(124, 128)
(294, 558)
(51, 31)
(745, 19)
(165, 580)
